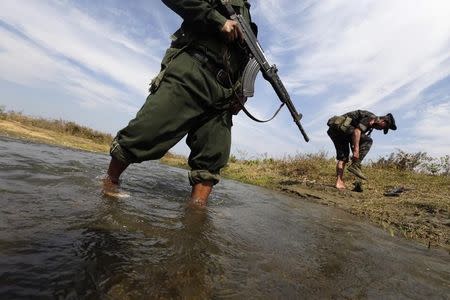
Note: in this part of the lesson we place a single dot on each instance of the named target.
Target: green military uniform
(341, 130)
(189, 97)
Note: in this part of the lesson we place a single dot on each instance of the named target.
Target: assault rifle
(258, 62)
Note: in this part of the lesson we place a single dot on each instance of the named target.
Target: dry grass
(55, 132)
(59, 126)
(421, 213)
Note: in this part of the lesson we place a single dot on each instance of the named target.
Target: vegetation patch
(55, 132)
(421, 211)
(59, 126)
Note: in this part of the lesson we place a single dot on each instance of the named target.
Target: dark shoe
(357, 186)
(395, 192)
(355, 169)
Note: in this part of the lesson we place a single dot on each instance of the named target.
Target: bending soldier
(352, 130)
(190, 96)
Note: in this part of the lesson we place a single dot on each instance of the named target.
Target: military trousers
(188, 101)
(342, 143)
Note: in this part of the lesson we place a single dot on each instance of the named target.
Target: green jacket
(202, 21)
(347, 123)
(360, 119)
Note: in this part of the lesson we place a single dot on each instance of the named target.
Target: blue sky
(91, 62)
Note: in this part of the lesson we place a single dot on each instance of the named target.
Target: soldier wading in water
(352, 130)
(192, 95)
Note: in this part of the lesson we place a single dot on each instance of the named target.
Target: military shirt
(360, 119)
(203, 20)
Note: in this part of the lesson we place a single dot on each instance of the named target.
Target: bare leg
(200, 193)
(111, 181)
(339, 174)
(115, 169)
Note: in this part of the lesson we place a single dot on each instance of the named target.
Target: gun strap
(232, 13)
(256, 119)
(245, 110)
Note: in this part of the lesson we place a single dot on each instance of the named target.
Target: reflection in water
(188, 268)
(125, 255)
(59, 238)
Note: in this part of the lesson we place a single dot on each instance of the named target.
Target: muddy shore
(421, 211)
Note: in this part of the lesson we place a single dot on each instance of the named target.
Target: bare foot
(111, 189)
(340, 186)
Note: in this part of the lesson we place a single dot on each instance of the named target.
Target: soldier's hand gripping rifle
(258, 62)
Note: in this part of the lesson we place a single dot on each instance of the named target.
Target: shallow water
(60, 238)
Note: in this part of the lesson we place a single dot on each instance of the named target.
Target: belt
(217, 70)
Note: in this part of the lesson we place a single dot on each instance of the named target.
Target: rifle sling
(245, 110)
(258, 120)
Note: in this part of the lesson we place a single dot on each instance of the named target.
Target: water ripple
(60, 238)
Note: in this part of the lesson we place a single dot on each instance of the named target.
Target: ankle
(115, 169)
(197, 202)
(200, 193)
(111, 179)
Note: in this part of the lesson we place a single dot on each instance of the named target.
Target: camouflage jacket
(360, 119)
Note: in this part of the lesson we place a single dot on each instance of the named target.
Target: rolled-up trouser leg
(365, 143)
(185, 102)
(210, 144)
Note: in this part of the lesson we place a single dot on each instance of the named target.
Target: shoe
(355, 169)
(357, 186)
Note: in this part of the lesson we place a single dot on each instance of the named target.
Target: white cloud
(378, 55)
(434, 125)
(26, 64)
(68, 32)
(334, 56)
